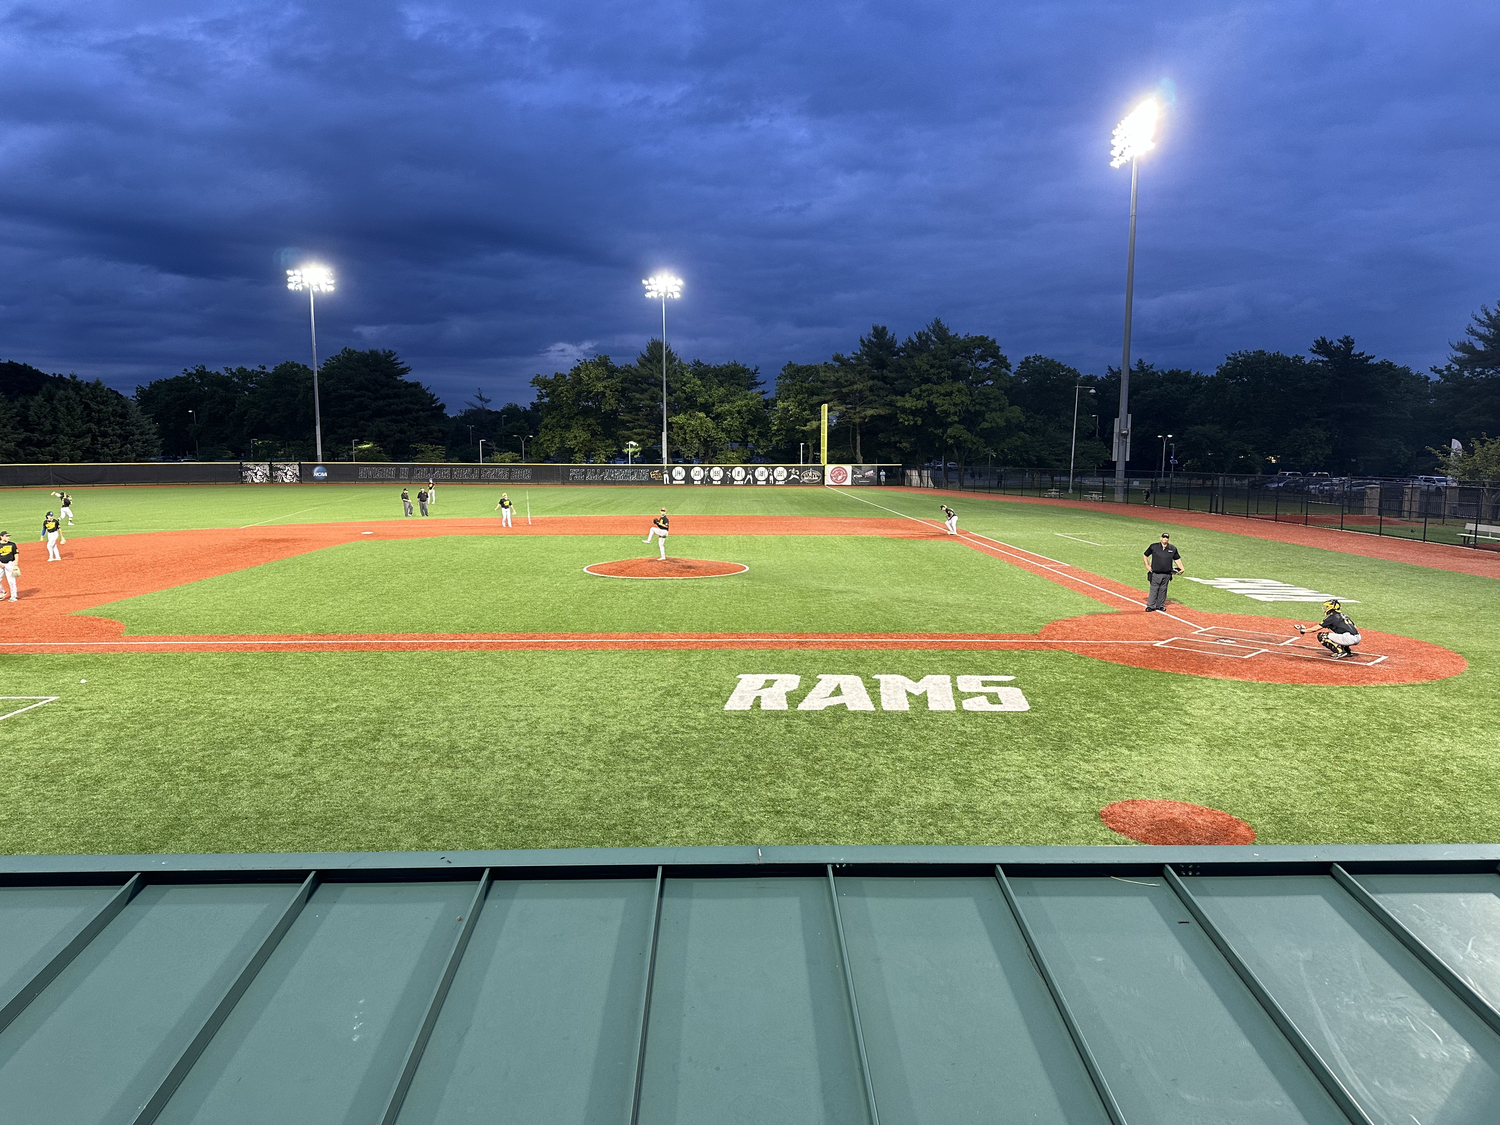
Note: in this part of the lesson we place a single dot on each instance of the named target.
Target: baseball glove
(1300, 630)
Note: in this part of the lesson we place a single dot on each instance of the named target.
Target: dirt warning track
(51, 615)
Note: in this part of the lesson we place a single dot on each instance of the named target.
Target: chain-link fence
(1430, 509)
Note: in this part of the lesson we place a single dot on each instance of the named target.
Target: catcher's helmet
(1332, 605)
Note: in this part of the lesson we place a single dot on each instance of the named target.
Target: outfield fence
(1463, 513)
(418, 473)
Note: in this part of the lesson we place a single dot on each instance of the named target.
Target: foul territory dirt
(52, 615)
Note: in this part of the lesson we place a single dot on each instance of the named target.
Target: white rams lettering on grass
(1268, 590)
(770, 690)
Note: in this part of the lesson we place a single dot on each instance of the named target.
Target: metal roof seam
(1064, 1009)
(91, 929)
(1299, 1042)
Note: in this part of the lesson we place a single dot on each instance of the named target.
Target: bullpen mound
(1175, 822)
(665, 568)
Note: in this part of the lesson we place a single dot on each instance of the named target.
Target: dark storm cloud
(492, 181)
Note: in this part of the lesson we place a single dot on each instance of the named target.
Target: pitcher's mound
(665, 568)
(1175, 822)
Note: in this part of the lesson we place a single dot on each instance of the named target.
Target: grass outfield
(417, 750)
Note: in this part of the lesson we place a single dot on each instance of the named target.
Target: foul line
(40, 700)
(1010, 548)
(298, 512)
(1075, 539)
(936, 641)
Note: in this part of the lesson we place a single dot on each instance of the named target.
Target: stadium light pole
(315, 279)
(1133, 138)
(1161, 464)
(1073, 453)
(660, 286)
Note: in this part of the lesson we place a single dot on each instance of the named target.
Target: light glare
(317, 278)
(1135, 135)
(661, 286)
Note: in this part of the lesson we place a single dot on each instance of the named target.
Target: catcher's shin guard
(1326, 643)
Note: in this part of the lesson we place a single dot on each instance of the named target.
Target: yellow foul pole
(825, 433)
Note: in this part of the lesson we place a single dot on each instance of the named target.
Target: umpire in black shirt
(1162, 562)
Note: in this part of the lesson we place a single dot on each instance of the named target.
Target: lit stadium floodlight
(318, 279)
(315, 279)
(659, 287)
(1133, 137)
(1136, 134)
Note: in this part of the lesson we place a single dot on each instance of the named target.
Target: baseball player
(65, 509)
(1336, 632)
(10, 563)
(506, 508)
(406, 501)
(52, 532)
(431, 492)
(950, 518)
(422, 500)
(659, 530)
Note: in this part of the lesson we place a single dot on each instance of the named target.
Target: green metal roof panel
(1401, 1042)
(1124, 985)
(1173, 1028)
(750, 1019)
(544, 1013)
(957, 1023)
(1457, 916)
(326, 1023)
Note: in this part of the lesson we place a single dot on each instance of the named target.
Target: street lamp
(481, 450)
(801, 447)
(1074, 451)
(197, 444)
(631, 449)
(315, 279)
(524, 439)
(660, 286)
(1133, 138)
(1161, 465)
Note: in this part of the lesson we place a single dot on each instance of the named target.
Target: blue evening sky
(492, 180)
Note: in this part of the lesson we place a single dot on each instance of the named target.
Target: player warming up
(10, 564)
(506, 508)
(950, 518)
(1336, 632)
(52, 532)
(659, 529)
(65, 509)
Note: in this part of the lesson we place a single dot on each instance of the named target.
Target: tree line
(940, 396)
(937, 396)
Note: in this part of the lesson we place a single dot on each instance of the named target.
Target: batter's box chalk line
(1246, 644)
(38, 701)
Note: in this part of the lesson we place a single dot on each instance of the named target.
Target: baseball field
(281, 667)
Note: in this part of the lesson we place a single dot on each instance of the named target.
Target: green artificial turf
(341, 750)
(485, 584)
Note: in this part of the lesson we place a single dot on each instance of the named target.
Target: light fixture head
(1136, 134)
(660, 286)
(317, 278)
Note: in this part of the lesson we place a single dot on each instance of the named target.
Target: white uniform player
(66, 510)
(659, 531)
(950, 519)
(505, 509)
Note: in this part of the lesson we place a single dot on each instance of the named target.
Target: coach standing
(1162, 563)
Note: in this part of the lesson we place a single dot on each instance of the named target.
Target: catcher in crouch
(1336, 632)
